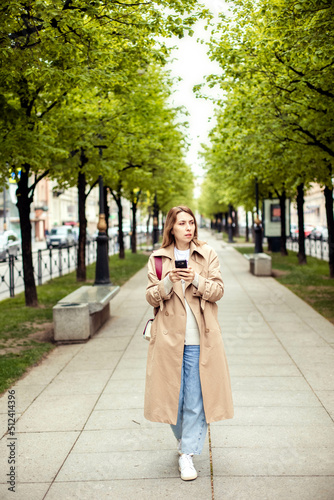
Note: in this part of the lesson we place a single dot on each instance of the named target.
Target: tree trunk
(23, 204)
(219, 219)
(120, 227)
(106, 212)
(253, 228)
(226, 222)
(247, 228)
(155, 221)
(236, 222)
(282, 200)
(134, 227)
(148, 220)
(106, 208)
(118, 199)
(81, 266)
(301, 236)
(330, 224)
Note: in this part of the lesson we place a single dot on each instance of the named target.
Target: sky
(192, 63)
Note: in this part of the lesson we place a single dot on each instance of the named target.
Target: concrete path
(81, 433)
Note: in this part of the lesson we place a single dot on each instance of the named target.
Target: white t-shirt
(192, 331)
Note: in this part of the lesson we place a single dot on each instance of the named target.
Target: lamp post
(102, 260)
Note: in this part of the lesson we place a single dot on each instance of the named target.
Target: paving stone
(250, 350)
(84, 382)
(129, 373)
(257, 359)
(40, 455)
(142, 489)
(271, 436)
(123, 386)
(274, 488)
(117, 401)
(307, 338)
(24, 396)
(25, 491)
(265, 461)
(108, 344)
(269, 383)
(268, 415)
(126, 465)
(119, 419)
(275, 398)
(96, 360)
(47, 413)
(265, 370)
(136, 439)
(327, 399)
(320, 376)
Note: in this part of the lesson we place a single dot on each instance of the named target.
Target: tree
(278, 55)
(50, 48)
(146, 145)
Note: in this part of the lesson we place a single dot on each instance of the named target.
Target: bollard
(11, 276)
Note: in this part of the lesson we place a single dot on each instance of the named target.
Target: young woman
(187, 377)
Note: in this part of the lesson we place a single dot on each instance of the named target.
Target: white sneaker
(178, 446)
(186, 467)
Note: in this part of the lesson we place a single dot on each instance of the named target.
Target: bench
(80, 314)
(259, 264)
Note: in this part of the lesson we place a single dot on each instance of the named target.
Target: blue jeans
(191, 425)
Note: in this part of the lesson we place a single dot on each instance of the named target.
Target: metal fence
(313, 248)
(54, 262)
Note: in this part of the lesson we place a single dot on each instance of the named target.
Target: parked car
(76, 230)
(61, 236)
(10, 244)
(307, 231)
(319, 233)
(143, 228)
(293, 229)
(113, 231)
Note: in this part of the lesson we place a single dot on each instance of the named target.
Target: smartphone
(181, 264)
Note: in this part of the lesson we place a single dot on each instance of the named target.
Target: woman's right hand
(174, 275)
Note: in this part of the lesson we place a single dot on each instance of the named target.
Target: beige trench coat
(165, 351)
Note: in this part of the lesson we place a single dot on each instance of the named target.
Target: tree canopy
(275, 121)
(61, 55)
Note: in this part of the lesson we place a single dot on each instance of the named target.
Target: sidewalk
(81, 433)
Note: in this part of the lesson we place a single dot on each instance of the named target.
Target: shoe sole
(189, 478)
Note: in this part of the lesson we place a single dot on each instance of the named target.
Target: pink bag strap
(158, 266)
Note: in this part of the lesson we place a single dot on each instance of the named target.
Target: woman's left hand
(187, 274)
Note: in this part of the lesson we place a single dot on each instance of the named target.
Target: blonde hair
(168, 237)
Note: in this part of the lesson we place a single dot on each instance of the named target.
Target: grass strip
(310, 282)
(19, 324)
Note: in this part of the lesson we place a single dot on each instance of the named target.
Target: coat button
(207, 330)
(166, 313)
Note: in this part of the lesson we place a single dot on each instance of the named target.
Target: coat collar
(169, 251)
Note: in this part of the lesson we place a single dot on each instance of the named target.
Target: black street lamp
(102, 260)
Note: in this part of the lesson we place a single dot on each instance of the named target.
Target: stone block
(80, 314)
(262, 264)
(71, 322)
